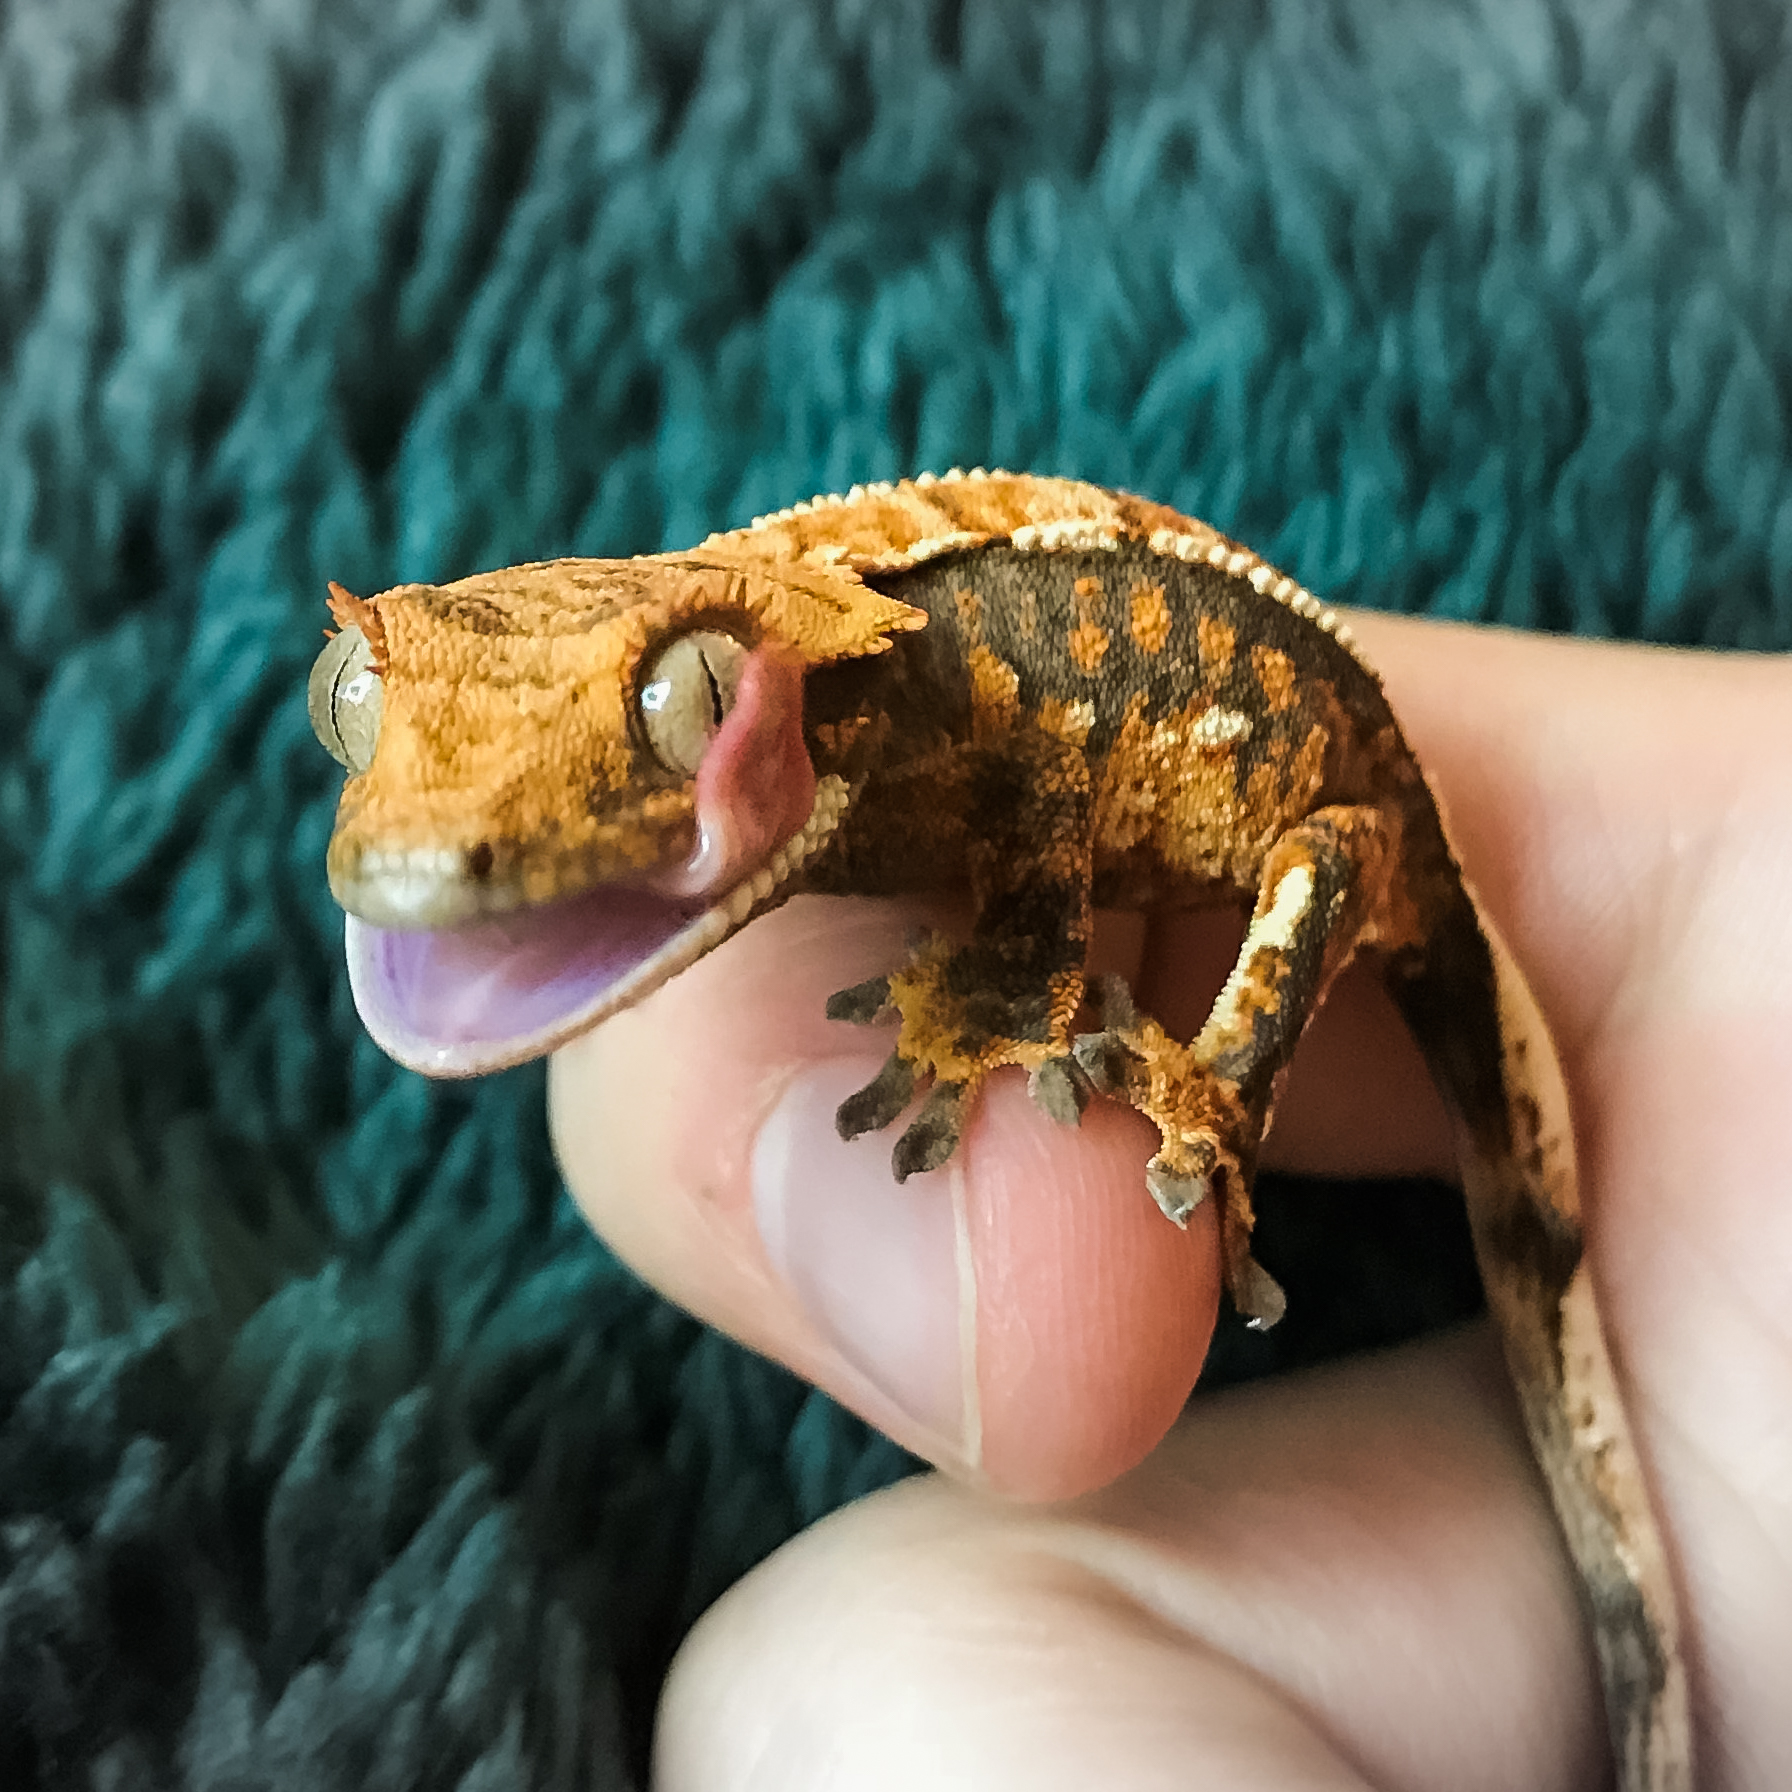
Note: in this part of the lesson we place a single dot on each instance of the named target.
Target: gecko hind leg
(1324, 891)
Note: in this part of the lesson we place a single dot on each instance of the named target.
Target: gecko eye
(345, 696)
(688, 688)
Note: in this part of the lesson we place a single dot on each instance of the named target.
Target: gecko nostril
(480, 861)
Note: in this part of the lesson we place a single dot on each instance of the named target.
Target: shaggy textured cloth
(334, 1453)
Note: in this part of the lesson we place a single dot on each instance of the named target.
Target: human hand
(1342, 1579)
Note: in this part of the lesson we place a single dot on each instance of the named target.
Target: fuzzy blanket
(334, 1452)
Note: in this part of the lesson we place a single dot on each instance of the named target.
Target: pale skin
(1342, 1580)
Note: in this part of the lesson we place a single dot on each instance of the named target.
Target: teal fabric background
(333, 1451)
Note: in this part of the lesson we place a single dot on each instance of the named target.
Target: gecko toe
(1102, 1058)
(880, 1101)
(1257, 1295)
(863, 1003)
(933, 1136)
(1062, 1088)
(1177, 1193)
(1112, 1000)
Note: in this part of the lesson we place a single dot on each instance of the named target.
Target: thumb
(1023, 1316)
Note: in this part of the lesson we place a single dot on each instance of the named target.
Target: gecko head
(567, 781)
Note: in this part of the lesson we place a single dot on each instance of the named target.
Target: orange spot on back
(1150, 617)
(970, 612)
(1217, 643)
(1088, 644)
(1069, 721)
(995, 692)
(1275, 672)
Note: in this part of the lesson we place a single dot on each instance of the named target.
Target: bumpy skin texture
(1061, 697)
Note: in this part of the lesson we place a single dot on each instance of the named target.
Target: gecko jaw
(465, 1001)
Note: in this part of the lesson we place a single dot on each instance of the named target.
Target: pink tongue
(497, 992)
(476, 998)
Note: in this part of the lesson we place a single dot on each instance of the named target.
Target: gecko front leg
(1009, 994)
(1324, 891)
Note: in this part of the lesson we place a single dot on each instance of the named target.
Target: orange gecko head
(529, 734)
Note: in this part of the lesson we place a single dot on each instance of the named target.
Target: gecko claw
(862, 1004)
(933, 1136)
(1062, 1088)
(880, 1101)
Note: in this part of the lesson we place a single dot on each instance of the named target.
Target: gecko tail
(1502, 1079)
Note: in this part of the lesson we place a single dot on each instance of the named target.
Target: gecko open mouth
(465, 1000)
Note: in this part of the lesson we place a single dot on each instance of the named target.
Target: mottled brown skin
(1059, 697)
(1115, 726)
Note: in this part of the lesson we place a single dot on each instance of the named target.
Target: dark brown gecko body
(1120, 728)
(1060, 697)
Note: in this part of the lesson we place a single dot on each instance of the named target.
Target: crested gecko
(569, 780)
